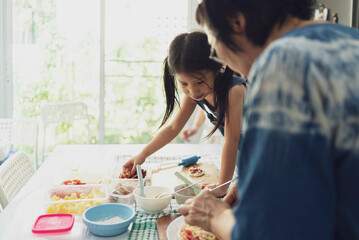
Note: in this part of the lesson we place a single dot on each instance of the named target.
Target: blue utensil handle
(189, 161)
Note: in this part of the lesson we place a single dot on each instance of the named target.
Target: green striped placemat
(144, 226)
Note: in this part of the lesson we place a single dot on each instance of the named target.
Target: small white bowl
(182, 196)
(150, 204)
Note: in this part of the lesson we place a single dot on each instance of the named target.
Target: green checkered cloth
(145, 227)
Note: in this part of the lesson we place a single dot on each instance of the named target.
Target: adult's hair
(261, 16)
(189, 54)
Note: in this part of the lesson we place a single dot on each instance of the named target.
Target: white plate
(174, 227)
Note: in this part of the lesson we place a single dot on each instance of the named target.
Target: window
(56, 56)
(136, 44)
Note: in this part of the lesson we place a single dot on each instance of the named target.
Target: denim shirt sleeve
(292, 160)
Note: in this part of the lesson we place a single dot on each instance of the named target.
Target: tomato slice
(67, 182)
(76, 181)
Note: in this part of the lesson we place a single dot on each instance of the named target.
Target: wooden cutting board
(162, 224)
(167, 178)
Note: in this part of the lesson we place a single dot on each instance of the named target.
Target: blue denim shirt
(299, 164)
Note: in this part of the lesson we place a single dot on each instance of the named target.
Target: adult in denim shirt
(299, 163)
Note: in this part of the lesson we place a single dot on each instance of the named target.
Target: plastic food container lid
(50, 223)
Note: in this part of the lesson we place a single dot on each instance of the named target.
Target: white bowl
(182, 196)
(150, 204)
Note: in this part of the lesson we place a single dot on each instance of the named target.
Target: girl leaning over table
(206, 83)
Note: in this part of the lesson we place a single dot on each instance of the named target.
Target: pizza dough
(195, 172)
(188, 232)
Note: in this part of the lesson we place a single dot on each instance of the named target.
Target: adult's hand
(209, 213)
(232, 196)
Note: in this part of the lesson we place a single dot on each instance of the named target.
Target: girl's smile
(196, 86)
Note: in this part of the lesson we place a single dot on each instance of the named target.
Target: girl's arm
(199, 120)
(232, 131)
(166, 135)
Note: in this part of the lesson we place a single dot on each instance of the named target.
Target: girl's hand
(202, 210)
(219, 192)
(188, 133)
(131, 164)
(232, 196)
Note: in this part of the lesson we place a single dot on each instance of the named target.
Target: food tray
(75, 199)
(121, 191)
(156, 160)
(88, 174)
(117, 167)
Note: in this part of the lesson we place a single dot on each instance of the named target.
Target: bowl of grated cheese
(108, 219)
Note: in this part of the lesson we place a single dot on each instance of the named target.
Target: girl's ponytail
(222, 85)
(170, 88)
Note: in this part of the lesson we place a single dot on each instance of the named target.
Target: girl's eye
(201, 82)
(184, 84)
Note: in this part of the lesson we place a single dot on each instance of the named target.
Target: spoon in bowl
(140, 179)
(196, 189)
(219, 186)
(171, 193)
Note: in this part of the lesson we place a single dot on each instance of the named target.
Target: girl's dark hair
(189, 54)
(261, 16)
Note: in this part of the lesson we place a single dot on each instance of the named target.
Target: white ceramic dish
(150, 204)
(174, 227)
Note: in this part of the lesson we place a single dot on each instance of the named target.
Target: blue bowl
(95, 219)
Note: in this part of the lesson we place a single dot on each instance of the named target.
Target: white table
(19, 216)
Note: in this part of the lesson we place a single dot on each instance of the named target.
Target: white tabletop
(18, 217)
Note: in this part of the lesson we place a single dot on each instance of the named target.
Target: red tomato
(67, 182)
(76, 181)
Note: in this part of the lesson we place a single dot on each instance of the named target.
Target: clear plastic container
(117, 169)
(75, 199)
(86, 176)
(121, 191)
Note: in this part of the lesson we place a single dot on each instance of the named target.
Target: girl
(206, 83)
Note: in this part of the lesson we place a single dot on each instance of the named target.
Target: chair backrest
(14, 174)
(20, 132)
(64, 112)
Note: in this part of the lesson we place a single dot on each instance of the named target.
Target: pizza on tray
(188, 232)
(195, 171)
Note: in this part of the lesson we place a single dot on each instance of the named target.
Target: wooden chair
(14, 174)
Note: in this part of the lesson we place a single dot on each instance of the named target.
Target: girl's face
(196, 86)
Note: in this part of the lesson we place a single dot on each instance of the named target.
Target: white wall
(342, 7)
(192, 7)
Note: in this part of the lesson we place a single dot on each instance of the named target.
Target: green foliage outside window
(50, 66)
